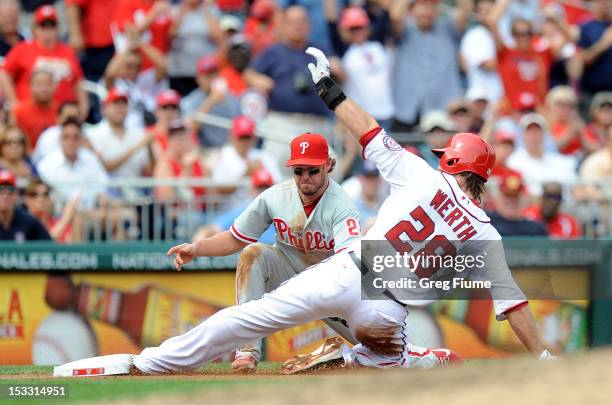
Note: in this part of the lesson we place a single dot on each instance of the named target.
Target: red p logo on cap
(309, 150)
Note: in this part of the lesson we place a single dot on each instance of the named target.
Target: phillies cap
(208, 64)
(354, 17)
(261, 178)
(243, 126)
(7, 178)
(45, 13)
(308, 150)
(168, 97)
(115, 94)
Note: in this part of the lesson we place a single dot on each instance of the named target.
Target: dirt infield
(576, 379)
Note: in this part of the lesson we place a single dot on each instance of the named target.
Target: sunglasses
(13, 142)
(169, 107)
(521, 33)
(551, 196)
(7, 187)
(48, 24)
(34, 194)
(311, 172)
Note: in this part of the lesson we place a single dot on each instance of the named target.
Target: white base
(112, 364)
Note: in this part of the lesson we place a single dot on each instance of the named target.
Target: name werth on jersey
(463, 229)
(306, 241)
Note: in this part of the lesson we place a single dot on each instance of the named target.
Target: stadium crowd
(96, 91)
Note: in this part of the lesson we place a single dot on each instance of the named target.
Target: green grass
(84, 389)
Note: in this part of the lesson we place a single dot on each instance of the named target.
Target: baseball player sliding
(313, 217)
(437, 208)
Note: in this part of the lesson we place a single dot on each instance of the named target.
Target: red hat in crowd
(45, 13)
(263, 10)
(115, 94)
(308, 150)
(503, 136)
(261, 178)
(243, 126)
(168, 97)
(208, 64)
(353, 17)
(511, 184)
(7, 178)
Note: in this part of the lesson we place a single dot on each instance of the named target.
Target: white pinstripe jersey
(332, 226)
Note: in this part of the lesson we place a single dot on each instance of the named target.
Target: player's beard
(313, 188)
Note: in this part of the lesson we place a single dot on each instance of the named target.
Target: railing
(132, 210)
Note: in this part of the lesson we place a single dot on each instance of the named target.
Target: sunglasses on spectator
(7, 187)
(521, 33)
(48, 24)
(311, 172)
(35, 194)
(169, 107)
(356, 29)
(460, 111)
(552, 196)
(13, 142)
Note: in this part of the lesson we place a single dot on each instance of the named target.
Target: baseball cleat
(446, 356)
(328, 356)
(244, 364)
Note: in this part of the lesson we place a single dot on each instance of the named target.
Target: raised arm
(462, 14)
(351, 115)
(591, 54)
(498, 10)
(398, 12)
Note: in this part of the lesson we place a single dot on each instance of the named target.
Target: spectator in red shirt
(89, 32)
(260, 26)
(504, 145)
(14, 156)
(40, 105)
(566, 126)
(151, 18)
(597, 131)
(10, 32)
(45, 51)
(40, 204)
(560, 225)
(524, 69)
(168, 110)
(180, 160)
(238, 56)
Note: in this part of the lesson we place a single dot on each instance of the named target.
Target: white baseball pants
(331, 288)
(261, 269)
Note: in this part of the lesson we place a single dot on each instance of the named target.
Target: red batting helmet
(467, 152)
